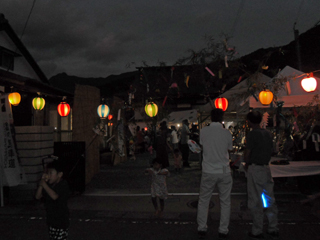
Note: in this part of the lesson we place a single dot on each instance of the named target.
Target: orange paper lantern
(265, 97)
(63, 109)
(221, 103)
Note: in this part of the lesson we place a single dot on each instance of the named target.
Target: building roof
(5, 26)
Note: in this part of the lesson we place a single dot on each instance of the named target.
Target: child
(55, 191)
(177, 160)
(132, 149)
(158, 185)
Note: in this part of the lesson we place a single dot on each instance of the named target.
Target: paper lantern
(151, 109)
(265, 97)
(14, 98)
(110, 117)
(309, 84)
(103, 111)
(38, 103)
(63, 109)
(221, 103)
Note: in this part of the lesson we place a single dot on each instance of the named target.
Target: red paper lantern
(110, 117)
(63, 109)
(309, 84)
(221, 103)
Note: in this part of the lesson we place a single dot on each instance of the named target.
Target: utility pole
(296, 38)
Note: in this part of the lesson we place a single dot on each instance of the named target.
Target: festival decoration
(208, 69)
(103, 111)
(151, 109)
(265, 97)
(187, 81)
(14, 98)
(38, 103)
(63, 109)
(110, 117)
(221, 103)
(309, 84)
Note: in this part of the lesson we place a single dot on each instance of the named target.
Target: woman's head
(156, 163)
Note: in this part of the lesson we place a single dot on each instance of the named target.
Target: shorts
(58, 233)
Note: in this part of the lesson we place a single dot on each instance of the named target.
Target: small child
(158, 185)
(177, 160)
(55, 191)
(132, 149)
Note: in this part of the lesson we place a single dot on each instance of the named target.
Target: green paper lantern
(151, 109)
(38, 103)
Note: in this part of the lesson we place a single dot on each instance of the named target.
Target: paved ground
(117, 205)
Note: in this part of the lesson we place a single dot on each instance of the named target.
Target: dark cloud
(98, 38)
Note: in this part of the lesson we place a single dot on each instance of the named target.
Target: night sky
(98, 38)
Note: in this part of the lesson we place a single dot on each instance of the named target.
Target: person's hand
(245, 166)
(42, 183)
(45, 177)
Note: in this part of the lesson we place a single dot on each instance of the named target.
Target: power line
(25, 25)
(236, 20)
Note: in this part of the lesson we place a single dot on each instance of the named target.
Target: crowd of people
(216, 144)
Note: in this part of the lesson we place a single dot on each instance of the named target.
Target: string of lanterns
(309, 84)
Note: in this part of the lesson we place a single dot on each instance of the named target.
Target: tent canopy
(296, 96)
(178, 117)
(236, 107)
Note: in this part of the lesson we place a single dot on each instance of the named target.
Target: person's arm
(164, 172)
(38, 194)
(49, 190)
(148, 171)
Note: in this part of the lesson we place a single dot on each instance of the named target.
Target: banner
(11, 171)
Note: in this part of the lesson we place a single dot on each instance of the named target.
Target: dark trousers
(185, 154)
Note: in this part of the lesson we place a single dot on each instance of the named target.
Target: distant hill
(108, 86)
(287, 55)
(275, 58)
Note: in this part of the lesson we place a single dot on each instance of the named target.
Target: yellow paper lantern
(265, 97)
(14, 98)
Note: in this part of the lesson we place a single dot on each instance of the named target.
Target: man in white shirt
(174, 138)
(216, 142)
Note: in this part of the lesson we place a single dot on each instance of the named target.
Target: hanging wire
(236, 20)
(25, 25)
(299, 11)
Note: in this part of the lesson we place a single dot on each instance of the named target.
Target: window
(7, 58)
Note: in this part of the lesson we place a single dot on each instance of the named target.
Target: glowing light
(309, 84)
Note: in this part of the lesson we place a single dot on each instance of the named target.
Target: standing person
(259, 181)
(162, 145)
(216, 142)
(174, 138)
(177, 160)
(185, 132)
(55, 191)
(140, 140)
(158, 185)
